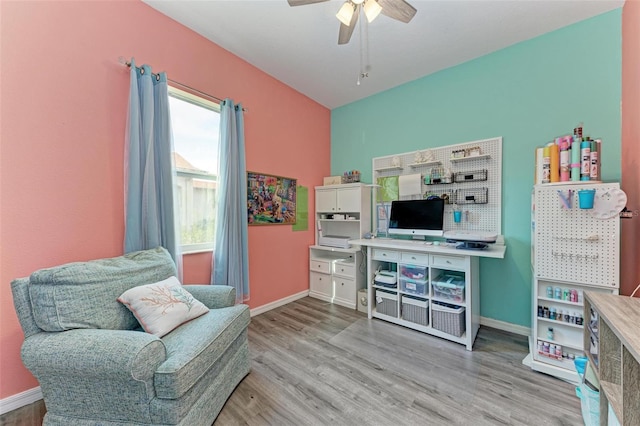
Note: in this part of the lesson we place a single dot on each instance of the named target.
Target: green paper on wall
(388, 190)
(302, 209)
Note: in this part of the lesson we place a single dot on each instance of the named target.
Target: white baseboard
(505, 326)
(19, 400)
(276, 304)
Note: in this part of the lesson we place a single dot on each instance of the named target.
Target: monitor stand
(469, 245)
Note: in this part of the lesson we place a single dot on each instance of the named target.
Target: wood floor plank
(316, 363)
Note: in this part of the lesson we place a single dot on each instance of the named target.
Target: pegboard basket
(447, 196)
(472, 196)
(473, 176)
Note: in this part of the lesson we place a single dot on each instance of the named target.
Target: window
(195, 124)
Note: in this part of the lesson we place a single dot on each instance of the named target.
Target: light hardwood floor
(314, 363)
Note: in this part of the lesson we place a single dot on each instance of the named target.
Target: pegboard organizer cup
(585, 198)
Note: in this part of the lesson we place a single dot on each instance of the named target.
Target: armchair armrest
(213, 296)
(120, 355)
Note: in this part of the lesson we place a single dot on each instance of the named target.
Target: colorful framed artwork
(271, 199)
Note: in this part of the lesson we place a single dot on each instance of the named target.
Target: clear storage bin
(416, 287)
(449, 287)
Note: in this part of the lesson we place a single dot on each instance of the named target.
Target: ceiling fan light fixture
(357, 1)
(371, 10)
(345, 13)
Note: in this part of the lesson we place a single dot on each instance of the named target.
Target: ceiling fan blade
(346, 30)
(397, 9)
(304, 2)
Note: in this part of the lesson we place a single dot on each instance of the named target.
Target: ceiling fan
(350, 10)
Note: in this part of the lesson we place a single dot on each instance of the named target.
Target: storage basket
(387, 303)
(448, 318)
(415, 310)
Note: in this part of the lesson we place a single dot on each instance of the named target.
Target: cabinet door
(348, 200)
(345, 290)
(321, 285)
(326, 200)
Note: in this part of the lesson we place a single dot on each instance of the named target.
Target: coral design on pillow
(167, 297)
(160, 307)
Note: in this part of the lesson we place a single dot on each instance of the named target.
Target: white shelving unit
(337, 273)
(572, 252)
(427, 277)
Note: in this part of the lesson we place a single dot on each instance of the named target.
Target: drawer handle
(449, 262)
(413, 258)
(384, 254)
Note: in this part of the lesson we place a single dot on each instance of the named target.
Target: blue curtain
(231, 257)
(149, 171)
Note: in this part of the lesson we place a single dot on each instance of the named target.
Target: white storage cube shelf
(415, 310)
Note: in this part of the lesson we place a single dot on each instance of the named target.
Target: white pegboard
(475, 217)
(570, 244)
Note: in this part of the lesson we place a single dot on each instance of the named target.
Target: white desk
(420, 268)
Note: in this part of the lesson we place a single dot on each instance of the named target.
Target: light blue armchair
(97, 367)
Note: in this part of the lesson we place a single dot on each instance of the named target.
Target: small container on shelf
(449, 286)
(448, 318)
(415, 310)
(417, 287)
(387, 303)
(352, 176)
(414, 272)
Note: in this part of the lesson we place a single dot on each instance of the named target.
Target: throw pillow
(160, 307)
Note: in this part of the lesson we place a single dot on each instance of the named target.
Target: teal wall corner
(527, 93)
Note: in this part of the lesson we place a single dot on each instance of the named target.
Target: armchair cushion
(160, 307)
(84, 294)
(194, 348)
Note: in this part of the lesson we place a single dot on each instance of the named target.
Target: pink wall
(630, 242)
(64, 100)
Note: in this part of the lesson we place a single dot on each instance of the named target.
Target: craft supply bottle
(540, 347)
(565, 161)
(593, 175)
(546, 165)
(552, 313)
(554, 163)
(550, 333)
(585, 155)
(558, 293)
(575, 160)
(550, 292)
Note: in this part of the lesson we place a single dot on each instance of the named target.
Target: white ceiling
(298, 45)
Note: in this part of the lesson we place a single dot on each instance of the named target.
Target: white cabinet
(332, 199)
(572, 252)
(334, 275)
(344, 213)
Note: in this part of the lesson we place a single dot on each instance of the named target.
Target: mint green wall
(528, 94)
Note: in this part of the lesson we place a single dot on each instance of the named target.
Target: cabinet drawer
(345, 289)
(321, 266)
(344, 269)
(419, 258)
(448, 261)
(321, 283)
(382, 254)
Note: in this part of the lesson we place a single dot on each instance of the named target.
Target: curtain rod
(123, 61)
